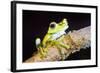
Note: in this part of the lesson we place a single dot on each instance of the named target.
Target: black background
(36, 23)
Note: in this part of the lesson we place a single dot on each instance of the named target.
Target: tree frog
(55, 31)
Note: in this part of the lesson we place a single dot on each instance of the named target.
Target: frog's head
(57, 27)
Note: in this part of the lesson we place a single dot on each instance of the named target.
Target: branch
(77, 39)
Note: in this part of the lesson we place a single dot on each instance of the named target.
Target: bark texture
(77, 39)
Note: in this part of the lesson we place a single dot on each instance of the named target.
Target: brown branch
(77, 39)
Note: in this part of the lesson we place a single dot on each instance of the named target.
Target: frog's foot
(61, 52)
(67, 47)
(63, 57)
(42, 52)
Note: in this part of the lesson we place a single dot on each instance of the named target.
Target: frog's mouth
(58, 35)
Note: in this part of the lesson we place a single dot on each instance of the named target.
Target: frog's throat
(57, 35)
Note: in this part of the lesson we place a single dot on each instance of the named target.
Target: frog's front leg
(42, 52)
(41, 49)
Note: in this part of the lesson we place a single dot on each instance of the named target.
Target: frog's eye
(52, 25)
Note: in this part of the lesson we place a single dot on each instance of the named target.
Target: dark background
(36, 23)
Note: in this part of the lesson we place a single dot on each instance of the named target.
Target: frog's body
(54, 32)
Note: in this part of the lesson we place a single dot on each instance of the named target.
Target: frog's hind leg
(59, 47)
(64, 46)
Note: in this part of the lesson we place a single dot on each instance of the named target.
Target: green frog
(55, 31)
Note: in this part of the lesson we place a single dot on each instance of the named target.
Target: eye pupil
(52, 25)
